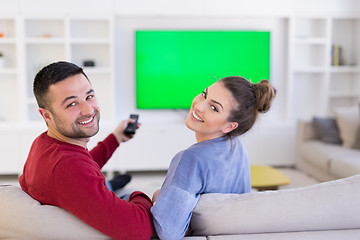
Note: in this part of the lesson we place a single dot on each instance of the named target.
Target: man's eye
(90, 97)
(203, 94)
(71, 104)
(214, 108)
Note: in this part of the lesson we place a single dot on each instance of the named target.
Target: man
(60, 171)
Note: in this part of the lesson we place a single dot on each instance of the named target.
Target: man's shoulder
(45, 146)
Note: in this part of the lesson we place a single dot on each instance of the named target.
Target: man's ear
(229, 127)
(46, 115)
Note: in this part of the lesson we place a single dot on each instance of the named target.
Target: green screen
(172, 67)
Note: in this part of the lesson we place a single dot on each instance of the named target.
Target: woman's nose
(200, 106)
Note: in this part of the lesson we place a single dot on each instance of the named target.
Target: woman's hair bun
(264, 94)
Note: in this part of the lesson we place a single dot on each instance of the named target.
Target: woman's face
(209, 113)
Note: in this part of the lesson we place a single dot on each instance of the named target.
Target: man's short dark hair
(51, 74)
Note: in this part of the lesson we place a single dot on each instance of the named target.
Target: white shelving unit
(9, 78)
(35, 42)
(344, 83)
(29, 43)
(92, 39)
(316, 87)
(76, 40)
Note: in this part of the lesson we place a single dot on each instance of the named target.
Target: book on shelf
(337, 55)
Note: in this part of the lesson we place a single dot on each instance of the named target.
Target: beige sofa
(324, 161)
(328, 211)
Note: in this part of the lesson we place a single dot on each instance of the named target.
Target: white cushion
(348, 121)
(325, 206)
(345, 165)
(22, 217)
(311, 235)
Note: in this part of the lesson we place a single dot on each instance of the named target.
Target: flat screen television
(173, 66)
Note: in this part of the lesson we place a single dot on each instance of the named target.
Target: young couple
(61, 171)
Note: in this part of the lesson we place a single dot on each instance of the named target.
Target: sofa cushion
(348, 121)
(22, 217)
(344, 165)
(356, 144)
(311, 235)
(319, 153)
(326, 206)
(327, 130)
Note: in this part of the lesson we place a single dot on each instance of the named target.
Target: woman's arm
(172, 212)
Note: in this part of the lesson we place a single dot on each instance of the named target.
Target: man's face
(74, 112)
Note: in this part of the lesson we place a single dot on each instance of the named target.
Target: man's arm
(102, 152)
(80, 189)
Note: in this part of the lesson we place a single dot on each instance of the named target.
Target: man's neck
(82, 142)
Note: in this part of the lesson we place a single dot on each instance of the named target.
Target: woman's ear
(229, 127)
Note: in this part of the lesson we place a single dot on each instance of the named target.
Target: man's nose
(86, 108)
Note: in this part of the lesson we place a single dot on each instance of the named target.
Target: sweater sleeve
(172, 212)
(80, 189)
(103, 151)
(177, 199)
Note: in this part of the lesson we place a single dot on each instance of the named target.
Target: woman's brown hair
(250, 98)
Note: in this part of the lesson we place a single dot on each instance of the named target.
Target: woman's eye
(203, 94)
(214, 108)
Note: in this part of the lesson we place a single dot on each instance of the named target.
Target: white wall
(271, 141)
(266, 135)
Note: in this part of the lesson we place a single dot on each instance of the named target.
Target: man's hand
(119, 131)
(154, 197)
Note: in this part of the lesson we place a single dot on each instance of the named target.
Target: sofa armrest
(305, 131)
(22, 217)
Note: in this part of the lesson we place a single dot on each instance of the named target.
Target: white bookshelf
(9, 78)
(316, 87)
(344, 82)
(27, 44)
(76, 40)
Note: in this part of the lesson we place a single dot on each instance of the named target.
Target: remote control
(131, 127)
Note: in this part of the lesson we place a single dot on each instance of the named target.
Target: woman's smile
(197, 117)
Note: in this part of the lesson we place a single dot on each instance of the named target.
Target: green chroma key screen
(172, 67)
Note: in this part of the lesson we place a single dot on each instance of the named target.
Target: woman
(218, 162)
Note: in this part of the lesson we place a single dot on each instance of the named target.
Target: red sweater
(69, 176)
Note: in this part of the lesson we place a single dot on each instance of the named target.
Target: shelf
(97, 70)
(8, 71)
(309, 56)
(38, 28)
(309, 40)
(350, 28)
(344, 94)
(310, 27)
(309, 70)
(316, 87)
(90, 41)
(7, 28)
(5, 40)
(345, 69)
(90, 28)
(45, 41)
